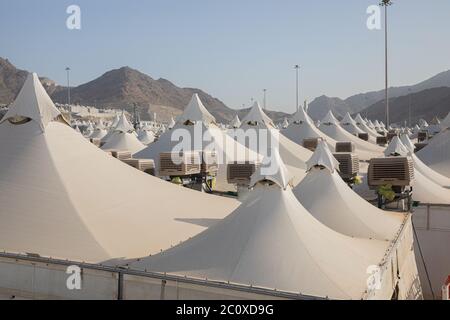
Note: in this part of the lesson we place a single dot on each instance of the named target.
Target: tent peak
(196, 112)
(322, 157)
(33, 103)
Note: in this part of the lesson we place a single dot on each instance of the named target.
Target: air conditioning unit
(396, 171)
(179, 163)
(311, 143)
(120, 154)
(382, 141)
(420, 146)
(145, 165)
(210, 163)
(348, 164)
(391, 135)
(96, 142)
(345, 147)
(240, 172)
(422, 136)
(363, 136)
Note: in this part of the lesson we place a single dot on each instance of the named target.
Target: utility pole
(385, 4)
(68, 85)
(409, 108)
(296, 67)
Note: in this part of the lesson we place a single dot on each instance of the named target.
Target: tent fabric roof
(329, 119)
(124, 141)
(333, 203)
(273, 170)
(272, 241)
(235, 123)
(396, 147)
(437, 154)
(77, 194)
(123, 125)
(196, 111)
(33, 102)
(256, 114)
(322, 157)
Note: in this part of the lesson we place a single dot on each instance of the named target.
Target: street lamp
(409, 108)
(385, 4)
(68, 85)
(296, 67)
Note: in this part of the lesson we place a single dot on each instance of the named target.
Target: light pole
(264, 101)
(409, 108)
(296, 67)
(68, 85)
(385, 4)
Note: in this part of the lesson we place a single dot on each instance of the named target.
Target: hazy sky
(231, 48)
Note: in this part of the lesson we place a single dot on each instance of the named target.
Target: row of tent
(301, 229)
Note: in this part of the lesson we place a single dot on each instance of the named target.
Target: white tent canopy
(63, 197)
(437, 153)
(425, 189)
(271, 241)
(330, 126)
(257, 117)
(196, 112)
(235, 123)
(203, 136)
(43, 111)
(292, 154)
(350, 125)
(436, 177)
(323, 193)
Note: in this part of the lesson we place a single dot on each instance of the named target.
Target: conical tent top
(322, 157)
(330, 119)
(196, 112)
(33, 103)
(235, 123)
(407, 142)
(348, 119)
(123, 125)
(396, 148)
(300, 116)
(257, 115)
(272, 169)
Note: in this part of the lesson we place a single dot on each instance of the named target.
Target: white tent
(99, 132)
(63, 197)
(437, 154)
(203, 136)
(425, 189)
(285, 123)
(123, 138)
(257, 123)
(146, 136)
(235, 123)
(436, 177)
(171, 123)
(350, 125)
(271, 241)
(446, 122)
(362, 124)
(323, 193)
(330, 126)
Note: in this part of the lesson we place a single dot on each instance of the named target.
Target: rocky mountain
(320, 106)
(126, 87)
(425, 104)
